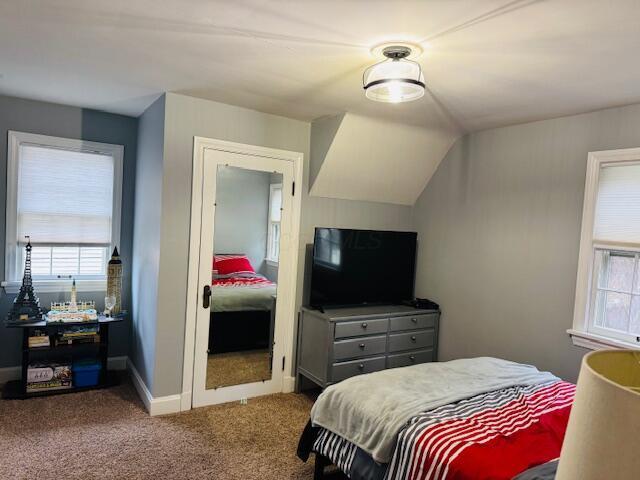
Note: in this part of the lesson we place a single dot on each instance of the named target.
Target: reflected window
(328, 248)
(275, 215)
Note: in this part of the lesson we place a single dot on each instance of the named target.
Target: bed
(482, 418)
(242, 306)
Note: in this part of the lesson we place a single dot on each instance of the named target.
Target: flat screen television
(359, 267)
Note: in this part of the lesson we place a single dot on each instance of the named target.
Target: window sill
(271, 263)
(598, 342)
(56, 286)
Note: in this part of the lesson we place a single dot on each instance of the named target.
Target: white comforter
(370, 410)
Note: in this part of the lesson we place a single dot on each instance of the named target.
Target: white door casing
(208, 155)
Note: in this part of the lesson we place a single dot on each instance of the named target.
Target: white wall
(365, 158)
(24, 115)
(242, 214)
(499, 229)
(186, 117)
(146, 240)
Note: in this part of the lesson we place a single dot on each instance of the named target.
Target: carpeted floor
(106, 434)
(235, 368)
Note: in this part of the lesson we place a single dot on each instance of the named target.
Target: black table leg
(320, 463)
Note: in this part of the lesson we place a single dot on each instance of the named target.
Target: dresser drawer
(359, 347)
(413, 322)
(340, 371)
(409, 358)
(411, 340)
(361, 327)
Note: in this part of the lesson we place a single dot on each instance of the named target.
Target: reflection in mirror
(246, 247)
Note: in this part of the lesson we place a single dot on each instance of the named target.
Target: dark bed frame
(320, 463)
(237, 331)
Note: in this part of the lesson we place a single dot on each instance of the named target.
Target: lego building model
(26, 306)
(72, 311)
(114, 281)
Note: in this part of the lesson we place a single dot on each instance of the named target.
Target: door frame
(200, 144)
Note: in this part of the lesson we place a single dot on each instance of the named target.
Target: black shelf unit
(17, 389)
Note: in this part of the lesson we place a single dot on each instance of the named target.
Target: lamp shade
(603, 436)
(394, 80)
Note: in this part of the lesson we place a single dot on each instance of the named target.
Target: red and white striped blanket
(494, 436)
(244, 280)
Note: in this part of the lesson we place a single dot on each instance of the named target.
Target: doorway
(242, 273)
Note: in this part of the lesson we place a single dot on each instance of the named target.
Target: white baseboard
(8, 374)
(186, 399)
(288, 384)
(158, 405)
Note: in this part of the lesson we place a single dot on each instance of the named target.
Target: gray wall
(146, 242)
(185, 118)
(69, 122)
(499, 225)
(242, 214)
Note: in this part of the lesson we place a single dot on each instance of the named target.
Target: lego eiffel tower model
(26, 306)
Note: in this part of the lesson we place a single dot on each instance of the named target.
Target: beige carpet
(106, 434)
(235, 368)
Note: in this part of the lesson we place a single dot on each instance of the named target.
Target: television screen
(355, 267)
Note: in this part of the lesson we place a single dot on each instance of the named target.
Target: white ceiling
(487, 62)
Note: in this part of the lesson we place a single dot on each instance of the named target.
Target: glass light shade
(394, 81)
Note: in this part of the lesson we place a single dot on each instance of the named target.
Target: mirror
(246, 246)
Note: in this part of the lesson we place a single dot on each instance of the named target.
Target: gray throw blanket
(370, 410)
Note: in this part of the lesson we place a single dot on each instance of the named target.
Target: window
(329, 248)
(65, 195)
(275, 214)
(607, 308)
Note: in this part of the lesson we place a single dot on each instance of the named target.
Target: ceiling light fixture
(396, 79)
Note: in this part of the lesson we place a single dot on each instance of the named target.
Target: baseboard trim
(158, 405)
(288, 384)
(186, 400)
(8, 374)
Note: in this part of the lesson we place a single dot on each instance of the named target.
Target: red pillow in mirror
(228, 264)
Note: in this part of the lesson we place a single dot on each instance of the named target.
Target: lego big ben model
(114, 280)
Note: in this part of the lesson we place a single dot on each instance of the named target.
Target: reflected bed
(242, 306)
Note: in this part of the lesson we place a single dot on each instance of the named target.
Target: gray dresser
(340, 343)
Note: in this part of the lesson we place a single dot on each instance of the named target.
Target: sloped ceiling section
(354, 157)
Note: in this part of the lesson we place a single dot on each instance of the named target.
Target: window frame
(270, 260)
(15, 140)
(584, 333)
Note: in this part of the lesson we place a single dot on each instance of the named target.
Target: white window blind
(64, 197)
(617, 215)
(276, 203)
(275, 215)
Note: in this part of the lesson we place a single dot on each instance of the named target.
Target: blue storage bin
(86, 374)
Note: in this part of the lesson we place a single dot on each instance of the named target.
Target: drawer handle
(361, 366)
(365, 325)
(412, 358)
(413, 338)
(414, 320)
(361, 346)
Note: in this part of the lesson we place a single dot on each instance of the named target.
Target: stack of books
(52, 376)
(38, 339)
(78, 334)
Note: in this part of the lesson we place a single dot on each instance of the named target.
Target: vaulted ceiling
(486, 63)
